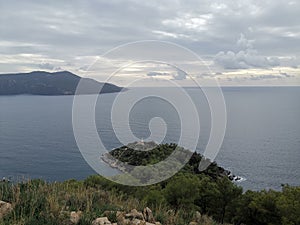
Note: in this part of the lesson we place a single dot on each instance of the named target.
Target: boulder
(5, 208)
(75, 217)
(193, 223)
(124, 222)
(140, 222)
(198, 216)
(137, 222)
(135, 215)
(206, 220)
(135, 218)
(121, 218)
(148, 215)
(101, 221)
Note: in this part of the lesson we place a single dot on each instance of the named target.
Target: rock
(193, 223)
(75, 216)
(157, 223)
(140, 222)
(148, 215)
(206, 220)
(137, 222)
(121, 218)
(118, 213)
(5, 208)
(101, 221)
(135, 215)
(198, 216)
(124, 222)
(6, 180)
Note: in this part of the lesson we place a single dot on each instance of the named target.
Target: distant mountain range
(56, 83)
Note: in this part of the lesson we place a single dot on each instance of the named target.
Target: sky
(239, 42)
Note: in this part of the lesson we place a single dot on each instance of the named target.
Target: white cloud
(189, 22)
(153, 74)
(46, 66)
(244, 43)
(246, 58)
(178, 74)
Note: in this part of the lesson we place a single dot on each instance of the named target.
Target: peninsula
(56, 83)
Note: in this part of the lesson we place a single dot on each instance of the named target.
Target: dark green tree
(288, 204)
(182, 191)
(225, 198)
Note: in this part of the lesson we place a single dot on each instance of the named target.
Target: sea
(261, 143)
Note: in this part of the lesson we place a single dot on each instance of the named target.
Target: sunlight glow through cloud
(233, 38)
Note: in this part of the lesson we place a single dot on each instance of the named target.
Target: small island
(148, 153)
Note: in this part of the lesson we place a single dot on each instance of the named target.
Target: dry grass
(39, 203)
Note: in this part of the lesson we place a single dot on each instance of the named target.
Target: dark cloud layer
(62, 30)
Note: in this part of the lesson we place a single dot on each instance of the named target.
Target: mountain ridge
(51, 83)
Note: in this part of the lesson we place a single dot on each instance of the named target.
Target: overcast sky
(243, 42)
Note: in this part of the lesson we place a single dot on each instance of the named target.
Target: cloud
(178, 74)
(244, 43)
(84, 68)
(65, 30)
(286, 74)
(245, 58)
(153, 74)
(46, 66)
(264, 77)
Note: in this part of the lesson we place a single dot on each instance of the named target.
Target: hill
(45, 83)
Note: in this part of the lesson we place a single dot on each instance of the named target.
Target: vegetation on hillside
(174, 201)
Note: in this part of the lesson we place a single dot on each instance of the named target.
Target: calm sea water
(262, 140)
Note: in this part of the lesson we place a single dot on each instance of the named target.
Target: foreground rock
(75, 217)
(134, 214)
(134, 217)
(5, 208)
(148, 215)
(201, 219)
(101, 221)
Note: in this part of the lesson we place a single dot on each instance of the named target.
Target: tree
(207, 193)
(182, 191)
(288, 204)
(225, 198)
(154, 198)
(264, 207)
